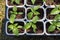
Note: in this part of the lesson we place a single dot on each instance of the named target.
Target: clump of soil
(52, 2)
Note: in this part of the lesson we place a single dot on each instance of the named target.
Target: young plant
(55, 24)
(32, 24)
(16, 1)
(33, 12)
(13, 14)
(14, 28)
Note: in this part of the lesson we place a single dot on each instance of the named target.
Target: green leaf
(15, 24)
(51, 28)
(36, 7)
(15, 13)
(33, 1)
(30, 15)
(36, 13)
(12, 1)
(44, 0)
(34, 27)
(20, 13)
(12, 18)
(14, 8)
(34, 20)
(11, 27)
(55, 11)
(58, 27)
(58, 24)
(19, 26)
(57, 17)
(27, 26)
(33, 11)
(17, 1)
(15, 31)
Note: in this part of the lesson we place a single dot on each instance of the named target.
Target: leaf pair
(29, 25)
(14, 28)
(16, 1)
(33, 12)
(13, 14)
(53, 26)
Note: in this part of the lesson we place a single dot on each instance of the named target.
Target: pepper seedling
(55, 24)
(13, 14)
(16, 1)
(32, 24)
(33, 12)
(14, 28)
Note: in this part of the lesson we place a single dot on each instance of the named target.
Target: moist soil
(18, 16)
(21, 3)
(39, 29)
(54, 32)
(49, 2)
(48, 15)
(38, 2)
(41, 15)
(21, 30)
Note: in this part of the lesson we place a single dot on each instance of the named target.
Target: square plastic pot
(22, 23)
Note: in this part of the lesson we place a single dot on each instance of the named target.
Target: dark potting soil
(38, 2)
(18, 16)
(21, 3)
(21, 30)
(49, 2)
(39, 29)
(48, 15)
(41, 15)
(54, 32)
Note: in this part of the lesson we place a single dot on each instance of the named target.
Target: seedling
(14, 28)
(33, 12)
(32, 24)
(16, 1)
(13, 14)
(55, 24)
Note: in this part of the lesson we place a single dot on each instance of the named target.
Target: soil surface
(21, 3)
(18, 16)
(38, 2)
(50, 2)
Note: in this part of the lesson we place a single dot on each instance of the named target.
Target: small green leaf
(57, 17)
(51, 28)
(55, 11)
(14, 8)
(15, 13)
(12, 1)
(34, 20)
(11, 27)
(12, 18)
(17, 1)
(27, 26)
(20, 13)
(58, 27)
(30, 15)
(36, 13)
(19, 26)
(33, 11)
(33, 1)
(34, 27)
(58, 24)
(15, 31)
(15, 24)
(36, 7)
